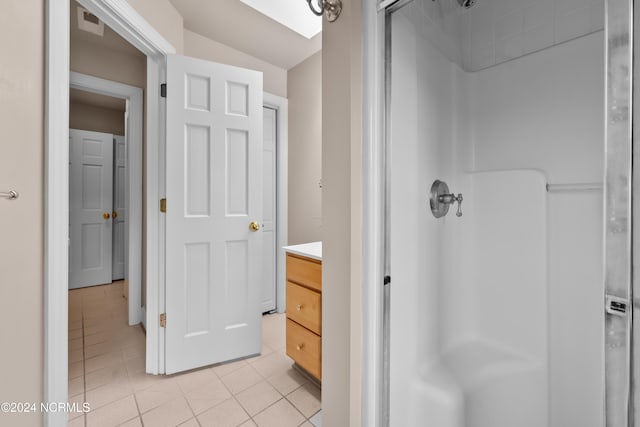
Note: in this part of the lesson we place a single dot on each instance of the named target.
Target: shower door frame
(619, 180)
(622, 333)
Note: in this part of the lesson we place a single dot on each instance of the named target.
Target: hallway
(106, 369)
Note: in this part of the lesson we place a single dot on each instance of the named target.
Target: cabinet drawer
(304, 347)
(304, 271)
(305, 307)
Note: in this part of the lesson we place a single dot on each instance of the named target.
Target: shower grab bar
(563, 188)
(11, 195)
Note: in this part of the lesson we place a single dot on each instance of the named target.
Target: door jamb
(374, 370)
(133, 191)
(123, 19)
(281, 105)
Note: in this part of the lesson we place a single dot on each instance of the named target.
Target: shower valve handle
(451, 199)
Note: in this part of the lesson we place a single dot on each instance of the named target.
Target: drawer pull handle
(299, 307)
(299, 347)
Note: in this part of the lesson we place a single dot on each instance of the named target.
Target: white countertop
(310, 250)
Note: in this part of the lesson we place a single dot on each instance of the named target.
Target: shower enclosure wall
(496, 317)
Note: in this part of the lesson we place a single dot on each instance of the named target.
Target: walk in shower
(505, 208)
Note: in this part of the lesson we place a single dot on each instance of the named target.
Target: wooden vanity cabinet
(304, 313)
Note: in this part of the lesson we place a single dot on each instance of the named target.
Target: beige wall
(341, 216)
(164, 18)
(110, 64)
(275, 78)
(21, 221)
(304, 87)
(97, 119)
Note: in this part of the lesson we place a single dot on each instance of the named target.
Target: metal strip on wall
(617, 213)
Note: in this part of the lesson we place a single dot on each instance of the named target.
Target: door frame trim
(374, 383)
(281, 105)
(133, 192)
(128, 23)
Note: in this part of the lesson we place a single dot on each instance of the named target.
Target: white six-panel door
(90, 203)
(214, 193)
(269, 210)
(119, 206)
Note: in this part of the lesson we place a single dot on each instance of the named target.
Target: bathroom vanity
(304, 306)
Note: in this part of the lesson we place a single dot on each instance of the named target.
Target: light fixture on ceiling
(330, 8)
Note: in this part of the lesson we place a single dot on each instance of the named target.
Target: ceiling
(241, 27)
(95, 100)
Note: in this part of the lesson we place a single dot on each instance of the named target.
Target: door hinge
(163, 205)
(163, 320)
(163, 90)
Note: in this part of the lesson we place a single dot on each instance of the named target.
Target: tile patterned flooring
(106, 369)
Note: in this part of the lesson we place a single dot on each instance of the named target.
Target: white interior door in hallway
(119, 207)
(269, 210)
(90, 208)
(213, 258)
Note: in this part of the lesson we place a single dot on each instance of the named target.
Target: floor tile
(194, 379)
(103, 361)
(107, 370)
(75, 334)
(227, 414)
(272, 364)
(287, 381)
(223, 369)
(76, 386)
(316, 420)
(258, 397)
(136, 350)
(113, 414)
(76, 422)
(241, 379)
(306, 399)
(106, 394)
(135, 365)
(76, 369)
(98, 349)
(141, 381)
(207, 396)
(169, 414)
(78, 400)
(136, 422)
(75, 344)
(280, 414)
(113, 374)
(157, 395)
(191, 423)
(97, 338)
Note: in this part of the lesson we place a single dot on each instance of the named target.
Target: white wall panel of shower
(496, 317)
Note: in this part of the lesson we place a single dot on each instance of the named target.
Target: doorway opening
(132, 27)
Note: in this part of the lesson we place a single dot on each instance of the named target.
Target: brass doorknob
(254, 226)
(300, 346)
(106, 215)
(114, 214)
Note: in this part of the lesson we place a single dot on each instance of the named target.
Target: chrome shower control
(440, 199)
